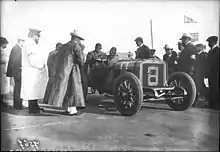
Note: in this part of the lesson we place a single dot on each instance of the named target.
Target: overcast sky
(111, 23)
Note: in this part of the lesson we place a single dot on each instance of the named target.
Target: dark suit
(186, 64)
(213, 77)
(14, 70)
(143, 52)
(170, 60)
(201, 68)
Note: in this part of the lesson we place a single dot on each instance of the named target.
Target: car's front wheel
(128, 94)
(183, 82)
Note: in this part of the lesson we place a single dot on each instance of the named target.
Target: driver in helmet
(95, 55)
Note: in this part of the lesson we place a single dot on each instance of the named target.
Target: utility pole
(151, 30)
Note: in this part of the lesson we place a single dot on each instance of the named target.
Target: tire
(129, 97)
(187, 83)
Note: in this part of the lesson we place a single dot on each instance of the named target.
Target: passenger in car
(130, 55)
(143, 51)
(112, 53)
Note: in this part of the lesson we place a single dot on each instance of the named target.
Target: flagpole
(151, 30)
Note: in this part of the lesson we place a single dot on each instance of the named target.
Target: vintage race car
(132, 82)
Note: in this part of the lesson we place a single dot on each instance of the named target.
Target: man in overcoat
(143, 51)
(67, 91)
(51, 65)
(213, 72)
(33, 73)
(14, 71)
(201, 70)
(170, 57)
(187, 56)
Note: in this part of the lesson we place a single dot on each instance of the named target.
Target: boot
(32, 107)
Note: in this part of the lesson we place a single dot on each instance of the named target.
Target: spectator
(51, 64)
(213, 72)
(187, 55)
(33, 74)
(170, 57)
(4, 82)
(67, 91)
(200, 71)
(14, 71)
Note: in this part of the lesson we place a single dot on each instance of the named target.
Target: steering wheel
(104, 59)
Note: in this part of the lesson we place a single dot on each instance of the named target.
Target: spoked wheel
(128, 94)
(185, 88)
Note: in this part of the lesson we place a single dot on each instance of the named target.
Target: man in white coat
(34, 76)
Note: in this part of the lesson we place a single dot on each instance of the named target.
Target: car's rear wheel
(128, 94)
(184, 82)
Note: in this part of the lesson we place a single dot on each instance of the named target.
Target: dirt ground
(155, 127)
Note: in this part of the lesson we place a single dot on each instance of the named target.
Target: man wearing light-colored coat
(34, 76)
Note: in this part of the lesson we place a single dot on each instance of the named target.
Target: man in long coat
(51, 65)
(67, 91)
(170, 57)
(33, 73)
(14, 70)
(187, 56)
(143, 51)
(213, 72)
(201, 70)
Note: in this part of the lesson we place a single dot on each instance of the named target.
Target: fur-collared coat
(67, 90)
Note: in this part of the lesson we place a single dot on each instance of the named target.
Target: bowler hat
(139, 39)
(185, 35)
(212, 39)
(76, 34)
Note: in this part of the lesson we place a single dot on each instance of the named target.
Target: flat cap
(139, 39)
(212, 39)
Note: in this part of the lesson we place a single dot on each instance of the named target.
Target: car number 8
(152, 76)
